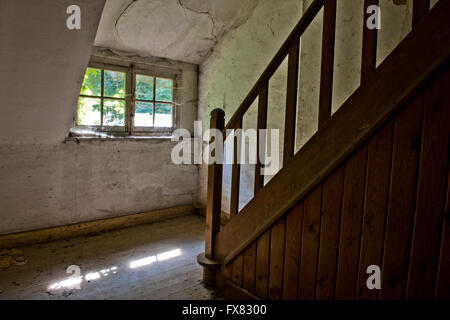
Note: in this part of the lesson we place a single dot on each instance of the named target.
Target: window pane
(163, 115)
(114, 113)
(92, 84)
(114, 84)
(143, 116)
(144, 87)
(89, 112)
(163, 90)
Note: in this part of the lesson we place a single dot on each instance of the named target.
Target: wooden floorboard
(178, 277)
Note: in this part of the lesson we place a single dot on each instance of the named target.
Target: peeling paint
(181, 30)
(229, 73)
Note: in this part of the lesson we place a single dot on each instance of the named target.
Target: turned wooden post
(213, 203)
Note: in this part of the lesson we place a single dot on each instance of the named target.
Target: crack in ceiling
(214, 37)
(184, 30)
(120, 16)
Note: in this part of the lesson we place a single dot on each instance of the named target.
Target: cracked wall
(233, 68)
(46, 181)
(239, 59)
(184, 30)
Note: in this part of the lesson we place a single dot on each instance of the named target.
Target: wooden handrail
(298, 31)
(420, 9)
(290, 49)
(418, 57)
(302, 171)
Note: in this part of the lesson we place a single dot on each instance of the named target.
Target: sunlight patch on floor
(75, 280)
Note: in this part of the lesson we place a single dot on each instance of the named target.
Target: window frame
(130, 99)
(149, 73)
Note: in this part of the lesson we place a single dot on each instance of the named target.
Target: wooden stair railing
(396, 77)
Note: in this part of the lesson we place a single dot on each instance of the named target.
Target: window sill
(81, 135)
(127, 138)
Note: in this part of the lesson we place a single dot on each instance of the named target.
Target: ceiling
(184, 30)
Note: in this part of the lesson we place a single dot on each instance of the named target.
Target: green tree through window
(150, 109)
(94, 107)
(103, 100)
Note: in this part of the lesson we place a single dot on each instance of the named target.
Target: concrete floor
(163, 256)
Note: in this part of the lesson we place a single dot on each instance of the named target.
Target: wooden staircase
(371, 187)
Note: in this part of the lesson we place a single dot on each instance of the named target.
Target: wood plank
(420, 9)
(238, 270)
(379, 158)
(350, 236)
(228, 272)
(233, 292)
(443, 279)
(214, 191)
(260, 148)
(405, 161)
(250, 268)
(395, 81)
(276, 264)
(310, 244)
(262, 265)
(430, 195)
(326, 75)
(291, 103)
(329, 235)
(369, 46)
(294, 223)
(235, 175)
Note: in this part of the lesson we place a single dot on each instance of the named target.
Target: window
(102, 99)
(153, 107)
(118, 99)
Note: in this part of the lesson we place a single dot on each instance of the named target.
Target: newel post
(213, 207)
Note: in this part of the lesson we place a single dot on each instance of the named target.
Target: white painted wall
(44, 180)
(184, 30)
(241, 56)
(44, 185)
(233, 68)
(40, 70)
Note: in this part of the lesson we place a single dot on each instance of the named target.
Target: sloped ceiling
(42, 67)
(184, 30)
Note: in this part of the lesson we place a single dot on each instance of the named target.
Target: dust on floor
(156, 261)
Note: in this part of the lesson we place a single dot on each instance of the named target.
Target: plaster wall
(239, 59)
(232, 69)
(185, 30)
(41, 63)
(46, 180)
(57, 184)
